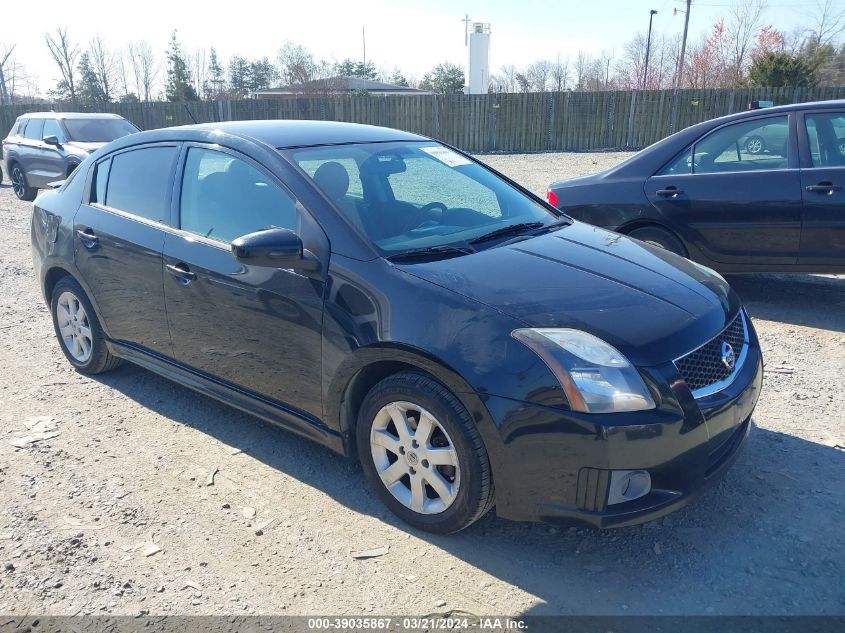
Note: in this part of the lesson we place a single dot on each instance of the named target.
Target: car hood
(650, 304)
(85, 147)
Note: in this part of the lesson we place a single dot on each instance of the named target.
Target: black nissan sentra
(387, 296)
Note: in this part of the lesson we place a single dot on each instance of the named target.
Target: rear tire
(656, 236)
(434, 473)
(19, 185)
(76, 325)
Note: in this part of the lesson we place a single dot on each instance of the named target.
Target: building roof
(340, 84)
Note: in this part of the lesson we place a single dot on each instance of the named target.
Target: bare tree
(582, 66)
(505, 79)
(296, 64)
(144, 68)
(741, 29)
(64, 53)
(828, 25)
(198, 63)
(103, 65)
(5, 57)
(560, 74)
(538, 75)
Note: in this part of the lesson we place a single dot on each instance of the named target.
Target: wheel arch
(57, 272)
(369, 365)
(628, 228)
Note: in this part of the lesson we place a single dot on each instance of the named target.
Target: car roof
(299, 133)
(70, 115)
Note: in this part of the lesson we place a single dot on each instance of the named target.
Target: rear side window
(224, 197)
(826, 133)
(33, 129)
(101, 178)
(139, 182)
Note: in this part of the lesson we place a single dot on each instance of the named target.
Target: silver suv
(44, 147)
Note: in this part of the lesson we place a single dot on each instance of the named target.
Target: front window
(406, 196)
(745, 146)
(52, 128)
(98, 130)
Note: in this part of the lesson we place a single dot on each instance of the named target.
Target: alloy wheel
(754, 145)
(74, 327)
(415, 457)
(18, 182)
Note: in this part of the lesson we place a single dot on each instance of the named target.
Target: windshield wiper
(507, 230)
(432, 251)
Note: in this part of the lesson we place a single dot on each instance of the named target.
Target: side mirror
(274, 248)
(52, 140)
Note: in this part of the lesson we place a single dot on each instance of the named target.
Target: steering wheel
(423, 216)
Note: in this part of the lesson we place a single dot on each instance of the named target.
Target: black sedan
(386, 295)
(755, 191)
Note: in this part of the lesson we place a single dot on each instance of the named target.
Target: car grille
(703, 369)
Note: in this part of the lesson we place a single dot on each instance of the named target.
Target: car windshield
(98, 130)
(409, 196)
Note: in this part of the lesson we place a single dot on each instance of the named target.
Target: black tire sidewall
(28, 192)
(463, 510)
(99, 352)
(665, 239)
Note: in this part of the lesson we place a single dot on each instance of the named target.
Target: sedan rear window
(98, 130)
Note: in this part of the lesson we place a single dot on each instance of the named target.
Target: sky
(412, 35)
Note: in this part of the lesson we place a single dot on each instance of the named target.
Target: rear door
(822, 136)
(737, 192)
(119, 233)
(255, 327)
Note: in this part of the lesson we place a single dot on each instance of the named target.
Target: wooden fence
(525, 122)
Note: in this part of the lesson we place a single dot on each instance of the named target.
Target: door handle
(182, 273)
(823, 187)
(88, 239)
(669, 192)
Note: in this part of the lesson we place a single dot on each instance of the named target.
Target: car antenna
(190, 114)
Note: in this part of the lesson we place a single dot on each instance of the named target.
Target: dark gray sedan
(43, 147)
(751, 192)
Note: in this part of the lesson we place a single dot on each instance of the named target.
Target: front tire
(22, 190)
(76, 325)
(656, 236)
(423, 455)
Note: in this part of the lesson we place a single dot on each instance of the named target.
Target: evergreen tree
(446, 78)
(262, 74)
(239, 76)
(88, 87)
(179, 85)
(353, 68)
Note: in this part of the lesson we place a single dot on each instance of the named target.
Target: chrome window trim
(718, 386)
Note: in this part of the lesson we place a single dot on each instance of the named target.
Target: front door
(118, 235)
(257, 328)
(737, 192)
(823, 188)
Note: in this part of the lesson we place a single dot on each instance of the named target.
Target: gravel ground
(114, 514)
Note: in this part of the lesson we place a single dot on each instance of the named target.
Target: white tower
(478, 80)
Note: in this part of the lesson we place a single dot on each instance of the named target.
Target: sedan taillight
(552, 198)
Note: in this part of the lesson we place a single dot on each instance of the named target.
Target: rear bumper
(555, 466)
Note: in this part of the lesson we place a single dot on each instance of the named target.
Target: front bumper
(554, 466)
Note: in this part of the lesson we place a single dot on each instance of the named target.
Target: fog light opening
(627, 485)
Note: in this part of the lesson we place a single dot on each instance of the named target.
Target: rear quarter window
(139, 182)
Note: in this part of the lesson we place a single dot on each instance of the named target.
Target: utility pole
(465, 20)
(364, 41)
(679, 72)
(651, 15)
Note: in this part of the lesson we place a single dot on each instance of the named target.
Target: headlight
(595, 376)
